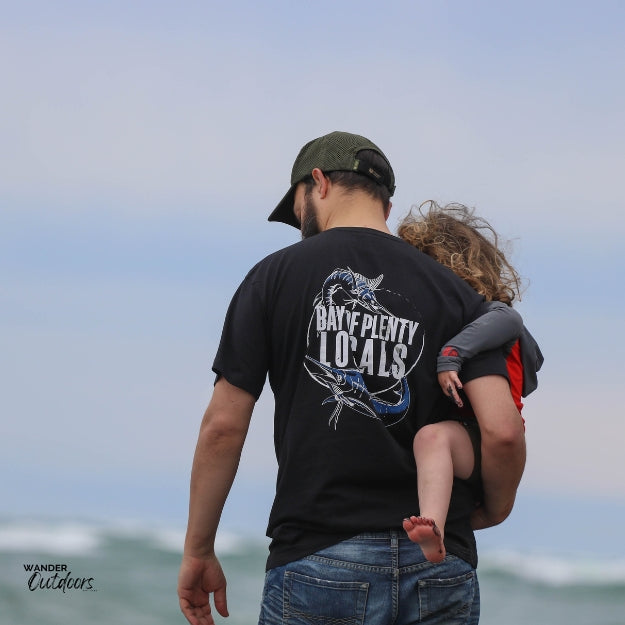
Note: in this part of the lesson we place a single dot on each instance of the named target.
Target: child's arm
(499, 325)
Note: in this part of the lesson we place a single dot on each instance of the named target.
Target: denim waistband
(381, 534)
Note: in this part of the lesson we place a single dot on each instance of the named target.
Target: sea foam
(60, 538)
(71, 538)
(571, 570)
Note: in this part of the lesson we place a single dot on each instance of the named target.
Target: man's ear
(321, 182)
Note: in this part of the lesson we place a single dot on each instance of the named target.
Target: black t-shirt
(348, 324)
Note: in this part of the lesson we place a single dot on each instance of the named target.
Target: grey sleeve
(499, 325)
(532, 360)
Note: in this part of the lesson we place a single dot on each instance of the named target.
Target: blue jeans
(377, 578)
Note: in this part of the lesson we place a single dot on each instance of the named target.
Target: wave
(93, 538)
(553, 570)
(36, 537)
(86, 538)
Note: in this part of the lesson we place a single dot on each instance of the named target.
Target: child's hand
(451, 384)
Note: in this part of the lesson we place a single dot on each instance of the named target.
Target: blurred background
(142, 146)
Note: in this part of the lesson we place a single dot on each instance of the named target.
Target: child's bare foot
(425, 532)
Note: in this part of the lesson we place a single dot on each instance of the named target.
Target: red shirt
(515, 373)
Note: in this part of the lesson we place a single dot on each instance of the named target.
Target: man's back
(348, 323)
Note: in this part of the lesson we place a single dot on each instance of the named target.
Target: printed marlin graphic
(349, 389)
(352, 288)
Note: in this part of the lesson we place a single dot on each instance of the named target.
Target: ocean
(55, 572)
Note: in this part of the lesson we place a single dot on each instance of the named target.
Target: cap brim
(284, 211)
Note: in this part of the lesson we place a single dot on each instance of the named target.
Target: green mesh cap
(337, 151)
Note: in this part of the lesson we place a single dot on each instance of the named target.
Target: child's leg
(442, 451)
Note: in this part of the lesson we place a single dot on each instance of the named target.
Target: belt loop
(394, 549)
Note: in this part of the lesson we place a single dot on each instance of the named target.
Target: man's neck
(354, 210)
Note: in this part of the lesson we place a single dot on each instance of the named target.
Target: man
(347, 324)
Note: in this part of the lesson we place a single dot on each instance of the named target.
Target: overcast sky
(143, 144)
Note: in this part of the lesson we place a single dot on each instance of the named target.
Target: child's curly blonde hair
(468, 245)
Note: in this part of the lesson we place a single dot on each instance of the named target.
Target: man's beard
(310, 225)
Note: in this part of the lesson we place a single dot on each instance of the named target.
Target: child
(468, 245)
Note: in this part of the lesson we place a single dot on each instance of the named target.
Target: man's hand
(198, 579)
(451, 384)
(481, 521)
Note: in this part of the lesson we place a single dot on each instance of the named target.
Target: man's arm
(503, 447)
(222, 434)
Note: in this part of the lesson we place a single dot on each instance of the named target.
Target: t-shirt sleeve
(492, 362)
(243, 354)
